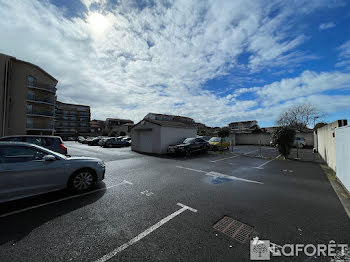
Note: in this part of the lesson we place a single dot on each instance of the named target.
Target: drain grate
(233, 228)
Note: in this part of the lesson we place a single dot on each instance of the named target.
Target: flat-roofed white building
(156, 132)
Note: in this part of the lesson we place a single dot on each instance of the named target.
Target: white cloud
(325, 26)
(151, 59)
(344, 56)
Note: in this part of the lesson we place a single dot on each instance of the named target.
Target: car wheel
(110, 146)
(188, 152)
(82, 180)
(301, 146)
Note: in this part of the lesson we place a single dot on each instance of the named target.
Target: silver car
(28, 169)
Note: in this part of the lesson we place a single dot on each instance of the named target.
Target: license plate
(172, 150)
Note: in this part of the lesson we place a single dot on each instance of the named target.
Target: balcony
(39, 126)
(43, 87)
(43, 113)
(41, 99)
(84, 113)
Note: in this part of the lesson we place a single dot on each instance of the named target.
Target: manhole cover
(233, 228)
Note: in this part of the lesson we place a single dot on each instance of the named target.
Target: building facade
(244, 126)
(27, 98)
(96, 127)
(72, 120)
(118, 127)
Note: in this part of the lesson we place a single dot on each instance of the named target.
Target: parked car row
(120, 141)
(203, 144)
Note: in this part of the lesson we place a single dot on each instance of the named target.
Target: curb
(343, 195)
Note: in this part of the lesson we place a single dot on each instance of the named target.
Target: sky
(215, 61)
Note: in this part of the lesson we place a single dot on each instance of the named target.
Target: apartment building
(72, 120)
(117, 126)
(27, 98)
(244, 126)
(96, 127)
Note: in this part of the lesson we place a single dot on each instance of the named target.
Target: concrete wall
(265, 138)
(172, 135)
(342, 144)
(326, 144)
(253, 139)
(309, 138)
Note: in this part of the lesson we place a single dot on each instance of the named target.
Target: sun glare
(98, 22)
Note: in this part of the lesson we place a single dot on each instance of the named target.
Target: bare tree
(299, 116)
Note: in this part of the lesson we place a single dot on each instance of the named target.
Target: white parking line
(146, 232)
(261, 166)
(217, 174)
(63, 199)
(213, 161)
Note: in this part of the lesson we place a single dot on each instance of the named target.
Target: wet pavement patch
(219, 180)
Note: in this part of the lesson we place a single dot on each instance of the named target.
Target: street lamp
(315, 120)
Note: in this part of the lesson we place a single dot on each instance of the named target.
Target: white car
(299, 141)
(28, 169)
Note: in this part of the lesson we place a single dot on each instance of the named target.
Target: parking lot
(153, 208)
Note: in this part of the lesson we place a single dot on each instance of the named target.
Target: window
(18, 154)
(40, 141)
(31, 81)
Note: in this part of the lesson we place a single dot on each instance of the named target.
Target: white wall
(326, 144)
(143, 136)
(342, 142)
(171, 135)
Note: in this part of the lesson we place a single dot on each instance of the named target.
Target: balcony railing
(41, 99)
(40, 112)
(45, 87)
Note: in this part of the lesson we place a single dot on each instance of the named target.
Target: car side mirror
(49, 158)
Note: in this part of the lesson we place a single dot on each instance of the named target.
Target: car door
(23, 172)
(199, 144)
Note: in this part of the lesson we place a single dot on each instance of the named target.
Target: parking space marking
(195, 170)
(261, 166)
(213, 161)
(146, 232)
(63, 199)
(217, 174)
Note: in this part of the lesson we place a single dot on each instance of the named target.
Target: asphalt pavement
(152, 208)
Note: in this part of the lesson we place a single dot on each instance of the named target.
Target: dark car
(189, 146)
(115, 142)
(206, 138)
(87, 140)
(53, 143)
(127, 140)
(94, 142)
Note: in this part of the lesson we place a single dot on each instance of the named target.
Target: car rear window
(40, 141)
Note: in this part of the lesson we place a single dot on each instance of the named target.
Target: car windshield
(214, 139)
(188, 140)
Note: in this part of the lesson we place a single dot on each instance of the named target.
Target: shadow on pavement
(17, 226)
